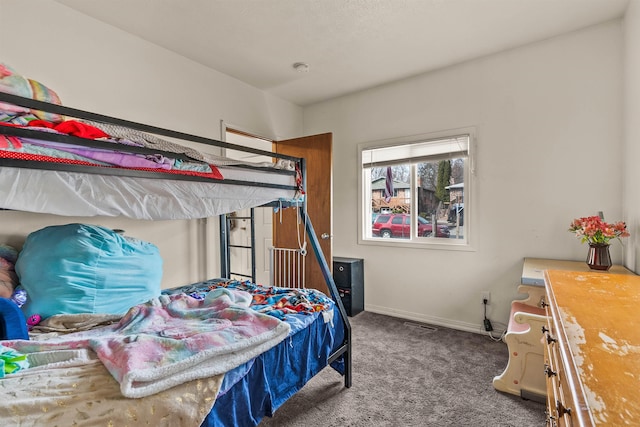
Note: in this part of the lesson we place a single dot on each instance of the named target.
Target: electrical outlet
(486, 295)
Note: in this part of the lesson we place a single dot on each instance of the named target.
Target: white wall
(549, 120)
(631, 194)
(96, 67)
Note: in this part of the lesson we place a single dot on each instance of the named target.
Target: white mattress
(82, 194)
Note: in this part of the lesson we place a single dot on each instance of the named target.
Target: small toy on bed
(19, 296)
(33, 320)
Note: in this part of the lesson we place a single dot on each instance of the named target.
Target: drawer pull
(543, 304)
(561, 409)
(545, 329)
(549, 372)
(551, 420)
(550, 339)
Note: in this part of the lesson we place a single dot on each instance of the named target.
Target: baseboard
(431, 320)
(530, 395)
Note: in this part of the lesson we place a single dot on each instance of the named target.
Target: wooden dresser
(592, 348)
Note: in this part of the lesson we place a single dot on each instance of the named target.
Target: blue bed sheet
(259, 387)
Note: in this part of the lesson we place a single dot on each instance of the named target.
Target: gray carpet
(409, 376)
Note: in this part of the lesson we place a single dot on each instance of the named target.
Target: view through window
(416, 191)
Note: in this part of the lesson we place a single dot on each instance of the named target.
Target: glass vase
(598, 257)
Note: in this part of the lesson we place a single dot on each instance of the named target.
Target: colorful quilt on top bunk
(160, 348)
(35, 149)
(26, 148)
(49, 151)
(31, 148)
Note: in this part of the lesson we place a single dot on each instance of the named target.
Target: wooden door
(317, 150)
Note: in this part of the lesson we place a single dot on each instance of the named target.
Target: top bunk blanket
(174, 339)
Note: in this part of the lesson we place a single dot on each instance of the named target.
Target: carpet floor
(406, 375)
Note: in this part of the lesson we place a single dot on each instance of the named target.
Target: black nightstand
(348, 274)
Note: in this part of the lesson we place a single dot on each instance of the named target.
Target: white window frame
(364, 201)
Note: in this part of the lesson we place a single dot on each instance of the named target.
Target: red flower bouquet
(593, 230)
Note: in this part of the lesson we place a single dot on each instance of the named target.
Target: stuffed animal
(8, 277)
(33, 320)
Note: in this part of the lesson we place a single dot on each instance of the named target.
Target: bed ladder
(226, 222)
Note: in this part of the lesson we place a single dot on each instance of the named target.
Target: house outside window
(416, 191)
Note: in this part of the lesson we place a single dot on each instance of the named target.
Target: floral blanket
(173, 339)
(272, 300)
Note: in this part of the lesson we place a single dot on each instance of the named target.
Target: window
(417, 190)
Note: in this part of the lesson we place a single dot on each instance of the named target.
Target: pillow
(15, 84)
(80, 268)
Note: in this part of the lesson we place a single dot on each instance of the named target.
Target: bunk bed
(205, 186)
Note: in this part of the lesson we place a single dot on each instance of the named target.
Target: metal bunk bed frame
(344, 351)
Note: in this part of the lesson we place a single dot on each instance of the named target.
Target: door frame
(263, 229)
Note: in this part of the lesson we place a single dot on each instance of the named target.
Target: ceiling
(349, 45)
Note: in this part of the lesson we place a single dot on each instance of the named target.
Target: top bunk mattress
(83, 194)
(91, 166)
